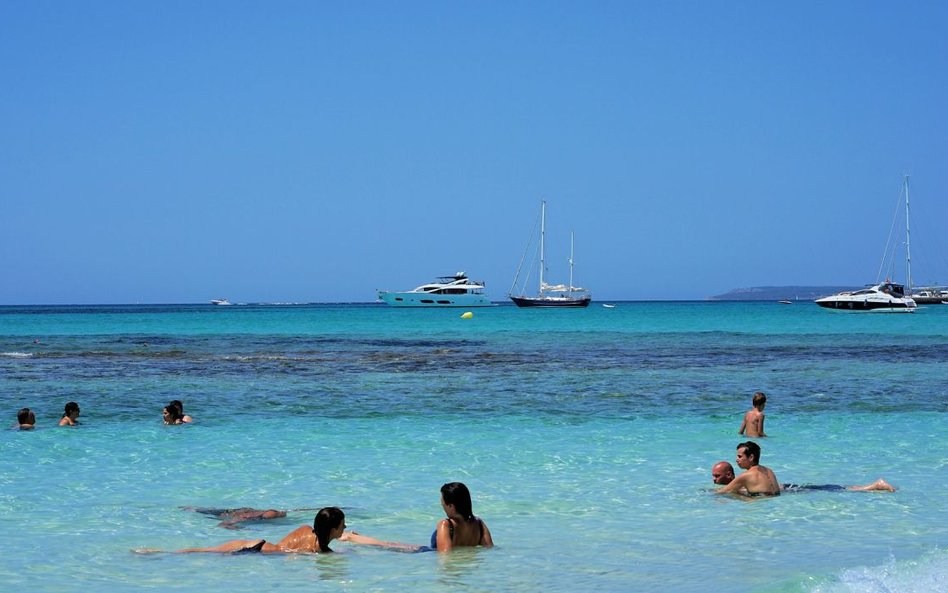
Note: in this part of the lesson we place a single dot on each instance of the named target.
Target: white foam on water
(928, 574)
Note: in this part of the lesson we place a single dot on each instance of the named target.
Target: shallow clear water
(586, 437)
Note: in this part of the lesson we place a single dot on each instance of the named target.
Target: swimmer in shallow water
(756, 480)
(231, 518)
(722, 473)
(171, 415)
(26, 419)
(753, 423)
(461, 528)
(329, 524)
(70, 415)
(176, 403)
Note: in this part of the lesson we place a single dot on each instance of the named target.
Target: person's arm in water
(735, 487)
(760, 427)
(443, 537)
(357, 538)
(743, 425)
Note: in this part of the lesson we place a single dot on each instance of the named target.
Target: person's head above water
(748, 454)
(722, 473)
(25, 417)
(457, 495)
(760, 400)
(328, 525)
(71, 408)
(171, 415)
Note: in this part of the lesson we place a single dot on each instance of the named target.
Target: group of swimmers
(758, 480)
(26, 419)
(173, 413)
(460, 528)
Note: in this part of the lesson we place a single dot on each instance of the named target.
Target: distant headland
(779, 293)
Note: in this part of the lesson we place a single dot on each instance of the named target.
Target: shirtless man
(753, 423)
(722, 473)
(756, 480)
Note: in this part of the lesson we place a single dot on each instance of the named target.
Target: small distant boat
(551, 295)
(785, 302)
(220, 302)
(608, 306)
(930, 296)
(448, 291)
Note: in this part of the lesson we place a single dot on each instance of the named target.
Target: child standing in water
(753, 423)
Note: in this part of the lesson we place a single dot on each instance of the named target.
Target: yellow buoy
(467, 315)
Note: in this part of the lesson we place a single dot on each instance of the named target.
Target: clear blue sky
(316, 151)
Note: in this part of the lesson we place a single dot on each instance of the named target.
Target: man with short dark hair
(26, 419)
(756, 480)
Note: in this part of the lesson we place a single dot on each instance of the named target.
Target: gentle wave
(926, 575)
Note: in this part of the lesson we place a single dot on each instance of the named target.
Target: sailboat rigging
(885, 296)
(550, 295)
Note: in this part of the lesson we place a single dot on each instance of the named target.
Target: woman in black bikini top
(461, 528)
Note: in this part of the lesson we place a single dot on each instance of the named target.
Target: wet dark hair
(457, 494)
(25, 415)
(176, 403)
(327, 519)
(70, 408)
(752, 448)
(174, 413)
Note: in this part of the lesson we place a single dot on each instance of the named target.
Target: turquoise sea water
(586, 438)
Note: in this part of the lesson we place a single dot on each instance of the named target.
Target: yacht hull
(566, 302)
(421, 299)
(878, 306)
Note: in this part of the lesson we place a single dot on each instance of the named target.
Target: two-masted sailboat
(550, 295)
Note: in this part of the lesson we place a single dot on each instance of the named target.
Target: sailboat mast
(542, 237)
(908, 245)
(571, 263)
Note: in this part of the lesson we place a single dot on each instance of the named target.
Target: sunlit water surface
(586, 438)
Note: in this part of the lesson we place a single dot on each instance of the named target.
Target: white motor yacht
(447, 291)
(886, 297)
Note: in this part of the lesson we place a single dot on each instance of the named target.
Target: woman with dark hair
(329, 524)
(176, 403)
(461, 528)
(70, 415)
(171, 415)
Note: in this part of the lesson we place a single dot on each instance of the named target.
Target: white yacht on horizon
(447, 291)
(885, 297)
